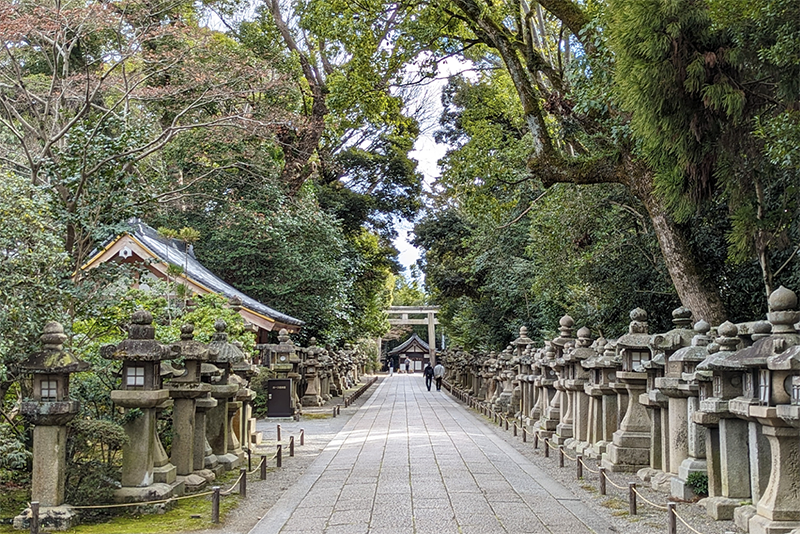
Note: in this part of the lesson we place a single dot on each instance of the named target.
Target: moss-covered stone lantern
(140, 394)
(49, 410)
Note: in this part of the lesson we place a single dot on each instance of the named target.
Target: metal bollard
(560, 456)
(279, 457)
(546, 448)
(672, 523)
(580, 467)
(279, 432)
(632, 497)
(602, 481)
(302, 437)
(291, 446)
(34, 517)
(215, 505)
(243, 482)
(263, 468)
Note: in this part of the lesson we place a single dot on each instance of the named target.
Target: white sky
(426, 151)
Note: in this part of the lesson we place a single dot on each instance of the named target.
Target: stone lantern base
(50, 518)
(153, 492)
(761, 525)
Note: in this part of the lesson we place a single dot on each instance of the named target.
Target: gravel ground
(320, 427)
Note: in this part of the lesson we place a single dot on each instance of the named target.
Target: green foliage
(14, 455)
(93, 448)
(34, 270)
(698, 482)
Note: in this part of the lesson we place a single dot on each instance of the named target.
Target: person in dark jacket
(428, 376)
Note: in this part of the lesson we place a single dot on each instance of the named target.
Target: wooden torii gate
(430, 319)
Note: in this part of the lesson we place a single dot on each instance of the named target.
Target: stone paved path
(414, 461)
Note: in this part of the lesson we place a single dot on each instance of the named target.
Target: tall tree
(90, 93)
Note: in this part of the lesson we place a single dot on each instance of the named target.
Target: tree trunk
(687, 275)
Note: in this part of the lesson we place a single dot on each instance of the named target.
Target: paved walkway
(416, 461)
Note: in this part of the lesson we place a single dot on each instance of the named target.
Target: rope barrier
(569, 457)
(589, 468)
(651, 503)
(143, 503)
(263, 459)
(615, 485)
(230, 490)
(687, 525)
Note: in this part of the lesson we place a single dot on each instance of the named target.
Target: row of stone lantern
(212, 408)
(723, 401)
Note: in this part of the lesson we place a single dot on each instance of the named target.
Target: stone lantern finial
(638, 323)
(727, 338)
(682, 317)
(565, 326)
(235, 303)
(783, 312)
(701, 339)
(584, 337)
(53, 337)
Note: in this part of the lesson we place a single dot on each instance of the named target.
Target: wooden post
(580, 467)
(632, 497)
(243, 482)
(279, 432)
(672, 523)
(215, 505)
(560, 456)
(279, 457)
(291, 446)
(602, 481)
(524, 435)
(34, 517)
(263, 468)
(515, 429)
(546, 448)
(302, 437)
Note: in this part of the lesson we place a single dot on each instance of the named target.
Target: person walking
(438, 374)
(428, 376)
(391, 367)
(408, 364)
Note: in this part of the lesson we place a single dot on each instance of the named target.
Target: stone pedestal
(630, 447)
(218, 425)
(778, 510)
(199, 442)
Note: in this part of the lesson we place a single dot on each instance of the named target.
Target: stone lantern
(219, 419)
(576, 379)
(522, 352)
(727, 432)
(686, 449)
(603, 406)
(311, 372)
(658, 403)
(562, 344)
(49, 410)
(630, 447)
(185, 389)
(141, 389)
(549, 395)
(778, 508)
(505, 376)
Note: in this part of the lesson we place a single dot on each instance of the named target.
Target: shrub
(698, 482)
